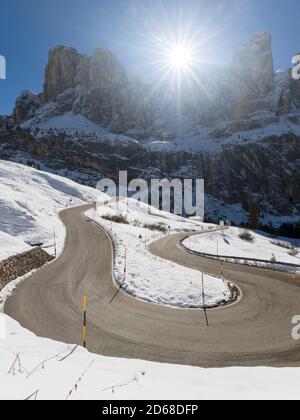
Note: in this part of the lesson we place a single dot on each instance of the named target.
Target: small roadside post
(222, 270)
(84, 321)
(54, 234)
(203, 299)
(125, 264)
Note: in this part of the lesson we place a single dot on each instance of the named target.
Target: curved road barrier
(237, 260)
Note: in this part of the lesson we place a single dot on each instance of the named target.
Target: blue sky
(29, 28)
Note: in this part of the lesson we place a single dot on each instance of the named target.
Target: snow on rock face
(72, 124)
(69, 123)
(29, 204)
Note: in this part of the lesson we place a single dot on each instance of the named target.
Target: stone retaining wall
(19, 265)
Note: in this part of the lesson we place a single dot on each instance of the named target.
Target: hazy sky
(29, 28)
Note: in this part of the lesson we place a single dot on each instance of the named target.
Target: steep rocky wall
(67, 68)
(264, 173)
(19, 265)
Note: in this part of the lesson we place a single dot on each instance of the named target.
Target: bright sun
(180, 57)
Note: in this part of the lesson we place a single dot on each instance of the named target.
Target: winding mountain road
(254, 331)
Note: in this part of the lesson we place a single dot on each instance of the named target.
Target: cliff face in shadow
(264, 174)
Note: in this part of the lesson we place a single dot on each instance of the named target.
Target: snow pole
(203, 299)
(54, 234)
(203, 292)
(222, 270)
(125, 264)
(84, 320)
(123, 284)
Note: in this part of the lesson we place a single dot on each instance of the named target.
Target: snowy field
(151, 278)
(38, 368)
(30, 201)
(262, 246)
(72, 124)
(10, 245)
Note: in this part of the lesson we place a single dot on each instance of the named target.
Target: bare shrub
(119, 218)
(159, 227)
(282, 244)
(246, 235)
(293, 252)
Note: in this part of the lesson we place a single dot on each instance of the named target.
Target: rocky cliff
(96, 87)
(99, 88)
(252, 74)
(264, 174)
(68, 69)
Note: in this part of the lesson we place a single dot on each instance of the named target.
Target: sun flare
(180, 57)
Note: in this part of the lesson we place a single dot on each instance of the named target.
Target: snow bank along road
(254, 331)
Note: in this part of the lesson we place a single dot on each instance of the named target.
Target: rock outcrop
(26, 106)
(295, 88)
(105, 70)
(67, 69)
(96, 87)
(60, 71)
(252, 73)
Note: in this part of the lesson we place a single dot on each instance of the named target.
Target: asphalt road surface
(256, 331)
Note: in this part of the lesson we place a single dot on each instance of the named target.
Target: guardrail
(226, 258)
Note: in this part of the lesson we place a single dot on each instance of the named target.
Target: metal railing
(227, 258)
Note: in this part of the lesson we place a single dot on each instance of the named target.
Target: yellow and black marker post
(84, 321)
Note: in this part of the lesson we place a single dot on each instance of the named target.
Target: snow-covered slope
(151, 278)
(69, 122)
(29, 204)
(72, 124)
(44, 369)
(11, 245)
(262, 246)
